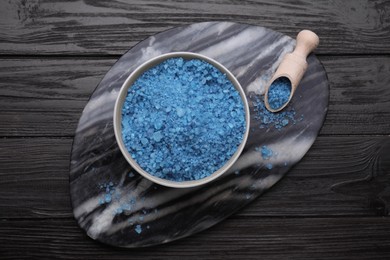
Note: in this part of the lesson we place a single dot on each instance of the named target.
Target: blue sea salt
(109, 189)
(157, 136)
(266, 152)
(144, 141)
(107, 198)
(182, 120)
(267, 119)
(279, 92)
(138, 229)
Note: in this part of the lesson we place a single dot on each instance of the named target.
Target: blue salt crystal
(131, 174)
(267, 119)
(269, 166)
(180, 112)
(144, 140)
(157, 136)
(179, 62)
(138, 229)
(266, 152)
(158, 124)
(107, 198)
(196, 134)
(125, 206)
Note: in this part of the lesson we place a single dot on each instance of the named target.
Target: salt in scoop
(284, 82)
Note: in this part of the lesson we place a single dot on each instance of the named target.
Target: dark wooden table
(334, 204)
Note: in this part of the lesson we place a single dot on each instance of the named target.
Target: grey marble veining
(252, 54)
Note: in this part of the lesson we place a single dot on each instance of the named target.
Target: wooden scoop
(293, 65)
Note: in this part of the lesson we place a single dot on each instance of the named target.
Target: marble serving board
(117, 206)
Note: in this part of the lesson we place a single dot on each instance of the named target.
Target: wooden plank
(34, 177)
(359, 100)
(112, 27)
(45, 97)
(248, 238)
(59, 79)
(351, 178)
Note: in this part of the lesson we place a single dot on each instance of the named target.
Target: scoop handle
(307, 41)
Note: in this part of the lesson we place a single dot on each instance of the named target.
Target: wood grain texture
(330, 206)
(110, 27)
(34, 177)
(45, 97)
(351, 178)
(235, 238)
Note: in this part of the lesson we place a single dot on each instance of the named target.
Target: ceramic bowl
(118, 119)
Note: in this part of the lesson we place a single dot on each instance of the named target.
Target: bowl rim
(117, 118)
